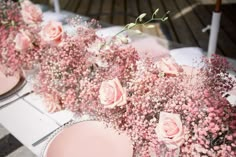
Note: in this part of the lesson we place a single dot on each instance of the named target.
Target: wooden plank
(167, 25)
(132, 11)
(112, 11)
(230, 11)
(72, 5)
(118, 12)
(125, 11)
(63, 3)
(145, 7)
(228, 25)
(83, 7)
(106, 11)
(94, 9)
(204, 17)
(193, 23)
(179, 24)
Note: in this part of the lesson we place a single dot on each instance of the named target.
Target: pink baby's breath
(18, 49)
(72, 73)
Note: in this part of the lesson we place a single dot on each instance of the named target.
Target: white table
(28, 120)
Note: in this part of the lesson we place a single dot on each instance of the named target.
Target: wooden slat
(193, 23)
(66, 4)
(112, 11)
(94, 9)
(118, 12)
(125, 12)
(132, 10)
(63, 3)
(171, 34)
(179, 25)
(145, 7)
(83, 7)
(230, 11)
(106, 11)
(72, 5)
(228, 25)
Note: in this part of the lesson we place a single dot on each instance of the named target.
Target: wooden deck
(187, 18)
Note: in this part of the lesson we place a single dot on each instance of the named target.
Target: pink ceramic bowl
(89, 139)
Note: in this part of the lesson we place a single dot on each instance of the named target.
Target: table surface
(30, 123)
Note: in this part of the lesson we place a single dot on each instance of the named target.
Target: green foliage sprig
(139, 20)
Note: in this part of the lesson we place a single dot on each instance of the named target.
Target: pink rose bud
(169, 66)
(31, 13)
(22, 41)
(112, 94)
(169, 130)
(52, 32)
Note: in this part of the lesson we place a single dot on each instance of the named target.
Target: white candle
(215, 26)
(56, 6)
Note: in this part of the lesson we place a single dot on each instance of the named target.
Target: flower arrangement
(169, 113)
(75, 62)
(19, 31)
(166, 109)
(180, 115)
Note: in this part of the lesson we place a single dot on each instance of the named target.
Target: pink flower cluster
(166, 109)
(73, 67)
(186, 112)
(19, 34)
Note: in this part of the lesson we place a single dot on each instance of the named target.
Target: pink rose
(169, 67)
(112, 94)
(31, 13)
(169, 130)
(52, 32)
(53, 103)
(22, 41)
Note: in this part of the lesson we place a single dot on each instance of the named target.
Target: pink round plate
(89, 139)
(7, 82)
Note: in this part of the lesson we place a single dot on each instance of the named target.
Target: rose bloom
(22, 41)
(52, 32)
(31, 13)
(112, 94)
(169, 130)
(169, 66)
(53, 103)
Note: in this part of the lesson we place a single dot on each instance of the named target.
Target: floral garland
(171, 112)
(166, 109)
(19, 31)
(78, 61)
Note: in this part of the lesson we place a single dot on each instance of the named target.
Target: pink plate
(7, 82)
(89, 139)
